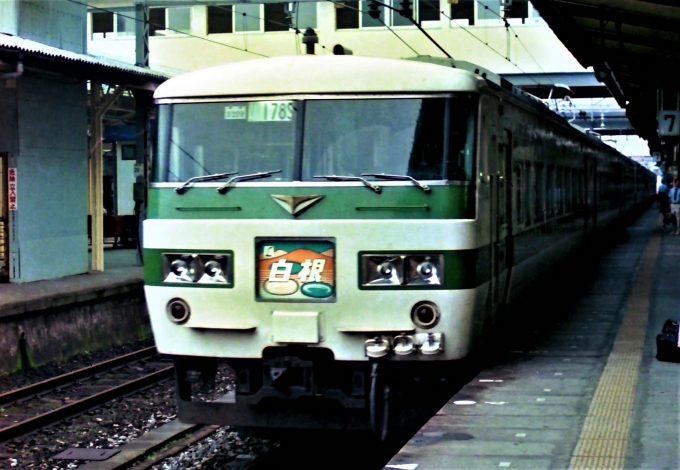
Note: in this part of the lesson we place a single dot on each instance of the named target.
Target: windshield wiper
(216, 176)
(254, 176)
(375, 188)
(399, 178)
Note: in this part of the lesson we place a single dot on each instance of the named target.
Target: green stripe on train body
(463, 269)
(349, 202)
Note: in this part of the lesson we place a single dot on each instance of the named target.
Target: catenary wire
(295, 29)
(169, 29)
(364, 13)
(479, 39)
(514, 33)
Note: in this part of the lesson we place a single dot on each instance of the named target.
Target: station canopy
(36, 56)
(632, 45)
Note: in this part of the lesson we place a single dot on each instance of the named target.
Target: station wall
(48, 147)
(536, 49)
(29, 19)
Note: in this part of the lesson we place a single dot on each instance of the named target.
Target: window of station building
(488, 11)
(463, 12)
(492, 12)
(169, 21)
(113, 24)
(347, 15)
(304, 15)
(179, 19)
(353, 15)
(220, 19)
(102, 23)
(125, 24)
(247, 18)
(521, 12)
(128, 152)
(276, 16)
(258, 17)
(162, 22)
(156, 21)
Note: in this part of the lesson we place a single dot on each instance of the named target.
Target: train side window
(529, 195)
(550, 191)
(394, 136)
(559, 191)
(567, 190)
(539, 193)
(461, 139)
(518, 193)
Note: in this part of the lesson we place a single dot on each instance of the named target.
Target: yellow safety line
(604, 436)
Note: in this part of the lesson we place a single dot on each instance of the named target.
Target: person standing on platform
(664, 203)
(674, 196)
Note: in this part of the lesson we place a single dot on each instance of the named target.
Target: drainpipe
(19, 72)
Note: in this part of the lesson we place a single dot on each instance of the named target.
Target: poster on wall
(12, 186)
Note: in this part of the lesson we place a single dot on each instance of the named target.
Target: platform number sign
(669, 123)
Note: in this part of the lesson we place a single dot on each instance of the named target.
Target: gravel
(123, 420)
(30, 376)
(222, 450)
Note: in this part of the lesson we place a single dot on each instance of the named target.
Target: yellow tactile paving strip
(604, 436)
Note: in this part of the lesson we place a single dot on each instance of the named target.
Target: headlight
(197, 268)
(402, 270)
(382, 270)
(424, 270)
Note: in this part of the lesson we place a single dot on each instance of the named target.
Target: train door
(4, 220)
(501, 221)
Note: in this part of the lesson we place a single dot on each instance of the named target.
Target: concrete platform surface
(122, 273)
(586, 393)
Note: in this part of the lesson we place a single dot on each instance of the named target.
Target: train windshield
(425, 138)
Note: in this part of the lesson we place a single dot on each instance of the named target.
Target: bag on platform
(667, 349)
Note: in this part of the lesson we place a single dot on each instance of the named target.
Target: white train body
(307, 275)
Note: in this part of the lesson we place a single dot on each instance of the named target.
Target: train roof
(312, 74)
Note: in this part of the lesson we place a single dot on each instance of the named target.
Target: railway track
(60, 409)
(39, 405)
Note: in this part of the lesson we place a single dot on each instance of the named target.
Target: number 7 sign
(669, 123)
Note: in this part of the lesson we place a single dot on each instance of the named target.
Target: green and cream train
(326, 221)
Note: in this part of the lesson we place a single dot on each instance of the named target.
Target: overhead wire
(479, 39)
(169, 29)
(508, 26)
(400, 38)
(364, 13)
(295, 29)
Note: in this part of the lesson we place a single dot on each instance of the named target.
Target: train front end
(315, 229)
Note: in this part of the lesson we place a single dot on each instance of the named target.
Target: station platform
(121, 272)
(573, 381)
(52, 320)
